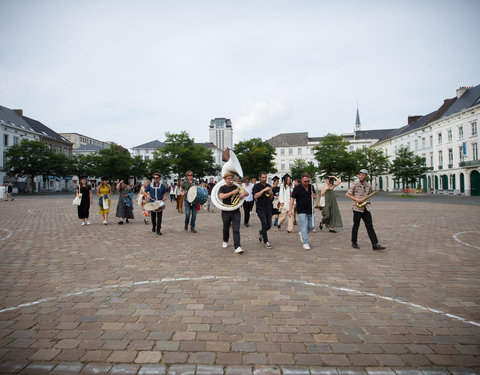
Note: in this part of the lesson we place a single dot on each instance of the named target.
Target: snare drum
(197, 195)
(154, 206)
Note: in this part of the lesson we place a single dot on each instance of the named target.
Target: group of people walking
(280, 202)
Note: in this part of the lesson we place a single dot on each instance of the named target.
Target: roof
(89, 147)
(153, 144)
(470, 98)
(207, 145)
(289, 139)
(45, 130)
(12, 118)
(379, 134)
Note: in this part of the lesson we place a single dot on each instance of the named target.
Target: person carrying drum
(156, 192)
(190, 208)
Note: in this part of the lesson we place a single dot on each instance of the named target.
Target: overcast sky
(129, 71)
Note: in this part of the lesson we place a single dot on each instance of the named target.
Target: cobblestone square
(119, 299)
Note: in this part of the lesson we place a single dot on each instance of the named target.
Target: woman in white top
(284, 202)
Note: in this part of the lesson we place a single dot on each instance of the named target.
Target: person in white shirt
(284, 202)
(248, 201)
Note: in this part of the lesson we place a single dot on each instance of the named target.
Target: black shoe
(153, 229)
(355, 245)
(186, 227)
(120, 222)
(321, 226)
(332, 231)
(159, 233)
(193, 230)
(378, 247)
(126, 220)
(279, 227)
(259, 237)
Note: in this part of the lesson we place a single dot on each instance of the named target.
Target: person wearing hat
(225, 193)
(286, 189)
(357, 193)
(276, 191)
(156, 191)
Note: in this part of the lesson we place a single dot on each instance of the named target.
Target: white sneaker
(88, 222)
(83, 223)
(224, 245)
(306, 246)
(105, 222)
(238, 250)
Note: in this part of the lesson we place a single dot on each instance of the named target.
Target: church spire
(357, 121)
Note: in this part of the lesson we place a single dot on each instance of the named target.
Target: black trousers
(247, 207)
(234, 218)
(366, 216)
(265, 216)
(156, 220)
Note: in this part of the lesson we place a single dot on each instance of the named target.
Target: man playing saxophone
(230, 194)
(358, 193)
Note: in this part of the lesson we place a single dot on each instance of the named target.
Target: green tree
(33, 158)
(181, 154)
(373, 160)
(139, 167)
(333, 157)
(254, 156)
(301, 166)
(81, 165)
(112, 163)
(407, 166)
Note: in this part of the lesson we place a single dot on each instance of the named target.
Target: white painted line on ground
(240, 279)
(9, 233)
(455, 237)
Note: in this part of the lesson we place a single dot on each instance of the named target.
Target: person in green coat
(331, 217)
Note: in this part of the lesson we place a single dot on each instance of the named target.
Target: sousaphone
(232, 165)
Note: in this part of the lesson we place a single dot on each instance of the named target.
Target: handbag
(77, 200)
(322, 201)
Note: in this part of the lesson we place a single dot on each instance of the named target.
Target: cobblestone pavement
(121, 300)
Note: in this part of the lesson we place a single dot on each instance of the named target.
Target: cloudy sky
(129, 71)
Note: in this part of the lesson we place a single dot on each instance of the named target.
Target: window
(16, 140)
(5, 139)
(460, 132)
(282, 151)
(440, 159)
(474, 151)
(449, 135)
(460, 154)
(290, 151)
(290, 164)
(282, 166)
(416, 144)
(439, 138)
(408, 145)
(299, 151)
(431, 140)
(147, 157)
(474, 128)
(312, 151)
(423, 143)
(450, 158)
(431, 159)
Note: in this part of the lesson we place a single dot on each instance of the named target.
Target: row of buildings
(447, 138)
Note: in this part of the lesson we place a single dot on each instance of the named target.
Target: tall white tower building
(221, 133)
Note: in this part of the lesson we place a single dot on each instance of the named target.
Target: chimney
(462, 90)
(412, 119)
(19, 112)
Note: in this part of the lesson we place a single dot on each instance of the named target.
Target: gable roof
(89, 147)
(289, 139)
(44, 130)
(470, 98)
(12, 118)
(153, 144)
(379, 134)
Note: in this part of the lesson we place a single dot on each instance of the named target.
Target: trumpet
(366, 199)
(236, 197)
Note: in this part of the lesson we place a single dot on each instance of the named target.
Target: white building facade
(221, 133)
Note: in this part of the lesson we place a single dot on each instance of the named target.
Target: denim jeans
(305, 221)
(190, 208)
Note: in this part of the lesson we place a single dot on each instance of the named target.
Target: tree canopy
(407, 166)
(373, 160)
(333, 157)
(301, 166)
(255, 155)
(112, 163)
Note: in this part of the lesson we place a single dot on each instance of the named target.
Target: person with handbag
(286, 189)
(104, 191)
(331, 217)
(125, 204)
(84, 193)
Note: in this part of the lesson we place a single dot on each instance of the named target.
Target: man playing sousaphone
(156, 192)
(227, 193)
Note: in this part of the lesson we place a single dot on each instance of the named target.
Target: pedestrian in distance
(104, 190)
(125, 203)
(84, 191)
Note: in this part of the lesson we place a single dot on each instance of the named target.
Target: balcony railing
(470, 163)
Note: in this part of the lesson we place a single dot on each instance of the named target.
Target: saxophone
(366, 199)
